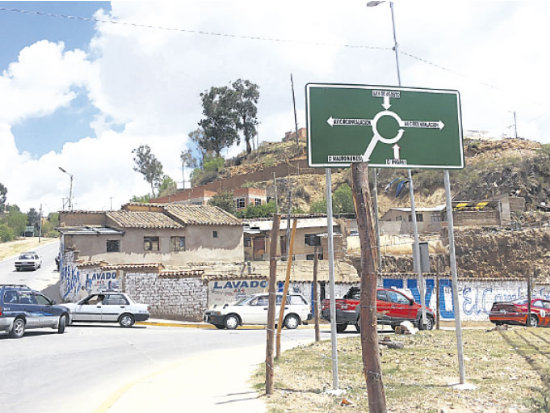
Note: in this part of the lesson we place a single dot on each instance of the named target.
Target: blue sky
(38, 135)
(82, 95)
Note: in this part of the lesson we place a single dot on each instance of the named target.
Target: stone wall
(171, 298)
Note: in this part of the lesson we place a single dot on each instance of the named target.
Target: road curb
(203, 326)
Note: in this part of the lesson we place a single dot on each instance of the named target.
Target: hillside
(493, 167)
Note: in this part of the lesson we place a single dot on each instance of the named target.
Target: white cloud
(149, 79)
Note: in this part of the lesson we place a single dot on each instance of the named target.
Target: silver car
(29, 260)
(108, 307)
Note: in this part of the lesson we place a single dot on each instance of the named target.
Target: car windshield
(241, 301)
(26, 257)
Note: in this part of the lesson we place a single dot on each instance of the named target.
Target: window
(113, 245)
(436, 218)
(398, 298)
(381, 295)
(538, 304)
(26, 298)
(214, 234)
(399, 218)
(296, 300)
(178, 243)
(419, 218)
(257, 201)
(240, 203)
(151, 243)
(247, 242)
(115, 299)
(41, 300)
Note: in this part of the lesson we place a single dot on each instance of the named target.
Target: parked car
(22, 308)
(516, 312)
(392, 308)
(29, 260)
(253, 310)
(108, 307)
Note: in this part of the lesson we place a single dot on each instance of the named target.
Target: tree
(318, 207)
(259, 211)
(149, 166)
(143, 199)
(225, 201)
(3, 197)
(220, 124)
(211, 167)
(33, 218)
(6, 233)
(187, 161)
(167, 187)
(247, 96)
(15, 219)
(342, 200)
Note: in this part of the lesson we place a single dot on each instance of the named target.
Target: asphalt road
(79, 370)
(42, 279)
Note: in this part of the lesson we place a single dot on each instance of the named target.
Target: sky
(84, 83)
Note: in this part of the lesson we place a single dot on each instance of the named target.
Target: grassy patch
(9, 249)
(510, 369)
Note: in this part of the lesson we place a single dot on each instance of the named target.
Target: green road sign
(389, 127)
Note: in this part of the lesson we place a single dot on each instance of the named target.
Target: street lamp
(395, 45)
(70, 201)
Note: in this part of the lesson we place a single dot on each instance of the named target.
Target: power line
(191, 31)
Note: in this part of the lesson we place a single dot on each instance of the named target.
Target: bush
(258, 211)
(6, 233)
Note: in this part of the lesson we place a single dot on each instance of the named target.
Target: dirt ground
(12, 248)
(510, 372)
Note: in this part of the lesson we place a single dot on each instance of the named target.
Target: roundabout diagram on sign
(377, 136)
(383, 125)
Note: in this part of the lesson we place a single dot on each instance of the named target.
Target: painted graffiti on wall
(225, 292)
(78, 283)
(476, 297)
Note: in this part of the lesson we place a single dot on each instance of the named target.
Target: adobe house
(174, 234)
(310, 230)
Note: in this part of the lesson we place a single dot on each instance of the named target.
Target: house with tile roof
(171, 234)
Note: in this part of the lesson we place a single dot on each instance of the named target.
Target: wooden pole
(316, 295)
(369, 335)
(271, 304)
(285, 289)
(437, 304)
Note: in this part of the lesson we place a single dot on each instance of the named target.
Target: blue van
(22, 308)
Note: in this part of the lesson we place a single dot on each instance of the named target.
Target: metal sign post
(456, 304)
(331, 283)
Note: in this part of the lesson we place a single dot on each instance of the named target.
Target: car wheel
(292, 321)
(126, 320)
(340, 328)
(231, 322)
(533, 320)
(62, 324)
(18, 328)
(429, 323)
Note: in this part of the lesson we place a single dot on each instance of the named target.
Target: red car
(392, 308)
(515, 312)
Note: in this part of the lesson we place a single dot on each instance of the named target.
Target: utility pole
(40, 224)
(372, 366)
(528, 323)
(285, 291)
(272, 303)
(276, 200)
(295, 117)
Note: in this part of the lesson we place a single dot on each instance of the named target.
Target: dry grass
(510, 369)
(9, 249)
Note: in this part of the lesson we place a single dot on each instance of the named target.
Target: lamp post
(70, 200)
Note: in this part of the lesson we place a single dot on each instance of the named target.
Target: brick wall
(170, 298)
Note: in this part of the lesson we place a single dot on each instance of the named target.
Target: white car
(253, 310)
(108, 307)
(28, 260)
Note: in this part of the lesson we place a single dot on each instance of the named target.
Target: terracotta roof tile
(132, 219)
(201, 215)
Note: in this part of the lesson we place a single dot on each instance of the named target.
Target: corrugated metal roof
(135, 219)
(89, 230)
(200, 215)
(266, 225)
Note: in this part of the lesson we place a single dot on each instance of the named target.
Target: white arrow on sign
(386, 105)
(348, 122)
(396, 148)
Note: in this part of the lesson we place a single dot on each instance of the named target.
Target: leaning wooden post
(285, 289)
(271, 304)
(369, 335)
(528, 321)
(316, 295)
